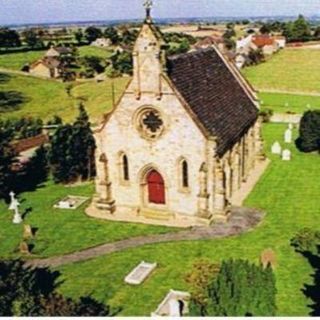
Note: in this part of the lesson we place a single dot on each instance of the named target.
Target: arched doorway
(156, 188)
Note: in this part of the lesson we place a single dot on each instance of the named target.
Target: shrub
(266, 115)
(242, 289)
(306, 240)
(309, 139)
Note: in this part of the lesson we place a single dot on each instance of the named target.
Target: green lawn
(94, 51)
(284, 103)
(15, 61)
(294, 70)
(46, 98)
(288, 192)
(62, 231)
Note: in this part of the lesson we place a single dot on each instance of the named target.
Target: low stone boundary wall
(286, 118)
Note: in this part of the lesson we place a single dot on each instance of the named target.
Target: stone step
(156, 214)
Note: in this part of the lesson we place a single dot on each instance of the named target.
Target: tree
(112, 34)
(242, 289)
(200, 278)
(265, 29)
(83, 146)
(7, 159)
(309, 139)
(60, 158)
(79, 36)
(301, 29)
(92, 34)
(317, 33)
(95, 63)
(122, 62)
(32, 39)
(9, 38)
(72, 150)
(32, 292)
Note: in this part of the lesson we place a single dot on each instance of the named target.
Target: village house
(56, 52)
(183, 138)
(101, 43)
(208, 42)
(47, 67)
(266, 43)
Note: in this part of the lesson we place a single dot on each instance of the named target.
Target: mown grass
(62, 231)
(287, 192)
(15, 61)
(46, 98)
(294, 70)
(288, 103)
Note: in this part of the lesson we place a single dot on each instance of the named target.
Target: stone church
(181, 141)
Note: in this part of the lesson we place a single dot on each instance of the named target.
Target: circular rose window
(150, 123)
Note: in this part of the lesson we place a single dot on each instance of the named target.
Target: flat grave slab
(71, 202)
(139, 274)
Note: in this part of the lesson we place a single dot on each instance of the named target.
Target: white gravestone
(175, 304)
(14, 206)
(286, 155)
(288, 136)
(290, 126)
(140, 273)
(276, 148)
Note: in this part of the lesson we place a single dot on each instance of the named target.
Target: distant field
(292, 70)
(46, 98)
(283, 103)
(15, 61)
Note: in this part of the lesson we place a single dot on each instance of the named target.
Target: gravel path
(241, 220)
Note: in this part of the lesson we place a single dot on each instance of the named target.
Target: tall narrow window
(125, 168)
(185, 174)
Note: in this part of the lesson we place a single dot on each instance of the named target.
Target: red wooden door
(156, 188)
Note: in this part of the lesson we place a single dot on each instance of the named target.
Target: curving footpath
(241, 220)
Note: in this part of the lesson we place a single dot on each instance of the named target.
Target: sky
(41, 11)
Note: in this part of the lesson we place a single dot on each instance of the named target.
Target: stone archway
(153, 188)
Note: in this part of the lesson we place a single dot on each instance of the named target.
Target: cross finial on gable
(148, 4)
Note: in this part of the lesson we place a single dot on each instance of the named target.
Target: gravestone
(24, 248)
(140, 273)
(286, 155)
(268, 256)
(27, 232)
(276, 148)
(290, 126)
(288, 136)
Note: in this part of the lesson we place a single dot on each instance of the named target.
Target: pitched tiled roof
(263, 40)
(215, 95)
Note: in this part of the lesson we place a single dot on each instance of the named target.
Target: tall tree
(79, 35)
(92, 34)
(112, 34)
(31, 38)
(32, 292)
(9, 38)
(309, 138)
(7, 159)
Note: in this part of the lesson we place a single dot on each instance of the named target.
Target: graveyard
(287, 192)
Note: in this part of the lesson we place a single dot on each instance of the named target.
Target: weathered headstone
(174, 308)
(27, 232)
(288, 136)
(290, 126)
(276, 148)
(286, 155)
(24, 248)
(268, 256)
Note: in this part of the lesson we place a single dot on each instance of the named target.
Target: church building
(181, 141)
